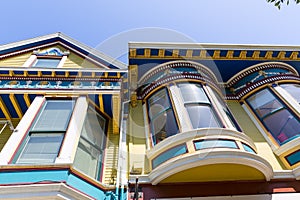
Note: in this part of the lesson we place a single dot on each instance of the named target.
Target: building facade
(180, 121)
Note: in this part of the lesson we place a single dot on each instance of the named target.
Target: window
(198, 106)
(167, 155)
(46, 62)
(161, 116)
(275, 116)
(215, 143)
(47, 133)
(89, 154)
(292, 89)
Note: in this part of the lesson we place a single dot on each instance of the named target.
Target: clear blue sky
(101, 24)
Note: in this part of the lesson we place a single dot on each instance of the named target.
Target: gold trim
(101, 105)
(216, 55)
(175, 53)
(16, 105)
(26, 99)
(161, 53)
(116, 101)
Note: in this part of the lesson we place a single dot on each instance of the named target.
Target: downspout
(122, 154)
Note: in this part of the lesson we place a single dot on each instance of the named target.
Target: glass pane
(293, 158)
(293, 89)
(92, 141)
(88, 159)
(158, 103)
(264, 103)
(283, 126)
(171, 153)
(202, 116)
(54, 116)
(41, 148)
(46, 63)
(93, 128)
(204, 144)
(192, 93)
(248, 148)
(164, 126)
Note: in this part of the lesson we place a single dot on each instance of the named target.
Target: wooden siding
(111, 157)
(73, 61)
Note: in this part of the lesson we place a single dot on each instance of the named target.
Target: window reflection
(292, 89)
(161, 116)
(198, 106)
(279, 121)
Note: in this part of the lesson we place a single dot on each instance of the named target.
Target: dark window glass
(162, 120)
(277, 119)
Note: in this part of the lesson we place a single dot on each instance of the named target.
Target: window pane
(283, 126)
(293, 89)
(204, 144)
(264, 103)
(202, 116)
(46, 63)
(164, 126)
(41, 148)
(91, 144)
(167, 155)
(88, 159)
(158, 103)
(54, 116)
(93, 128)
(192, 93)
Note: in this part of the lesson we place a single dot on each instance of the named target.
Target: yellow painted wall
(137, 141)
(15, 61)
(73, 60)
(249, 128)
(7, 133)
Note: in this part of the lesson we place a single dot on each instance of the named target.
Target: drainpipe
(122, 157)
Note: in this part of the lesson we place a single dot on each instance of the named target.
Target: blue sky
(108, 25)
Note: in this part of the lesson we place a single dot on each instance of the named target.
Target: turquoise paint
(88, 189)
(33, 176)
(171, 153)
(293, 158)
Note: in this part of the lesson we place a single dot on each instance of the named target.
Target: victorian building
(180, 121)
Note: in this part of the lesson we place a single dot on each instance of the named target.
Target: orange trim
(283, 190)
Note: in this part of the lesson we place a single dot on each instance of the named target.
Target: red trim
(222, 188)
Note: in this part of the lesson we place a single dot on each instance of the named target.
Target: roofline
(212, 46)
(62, 36)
